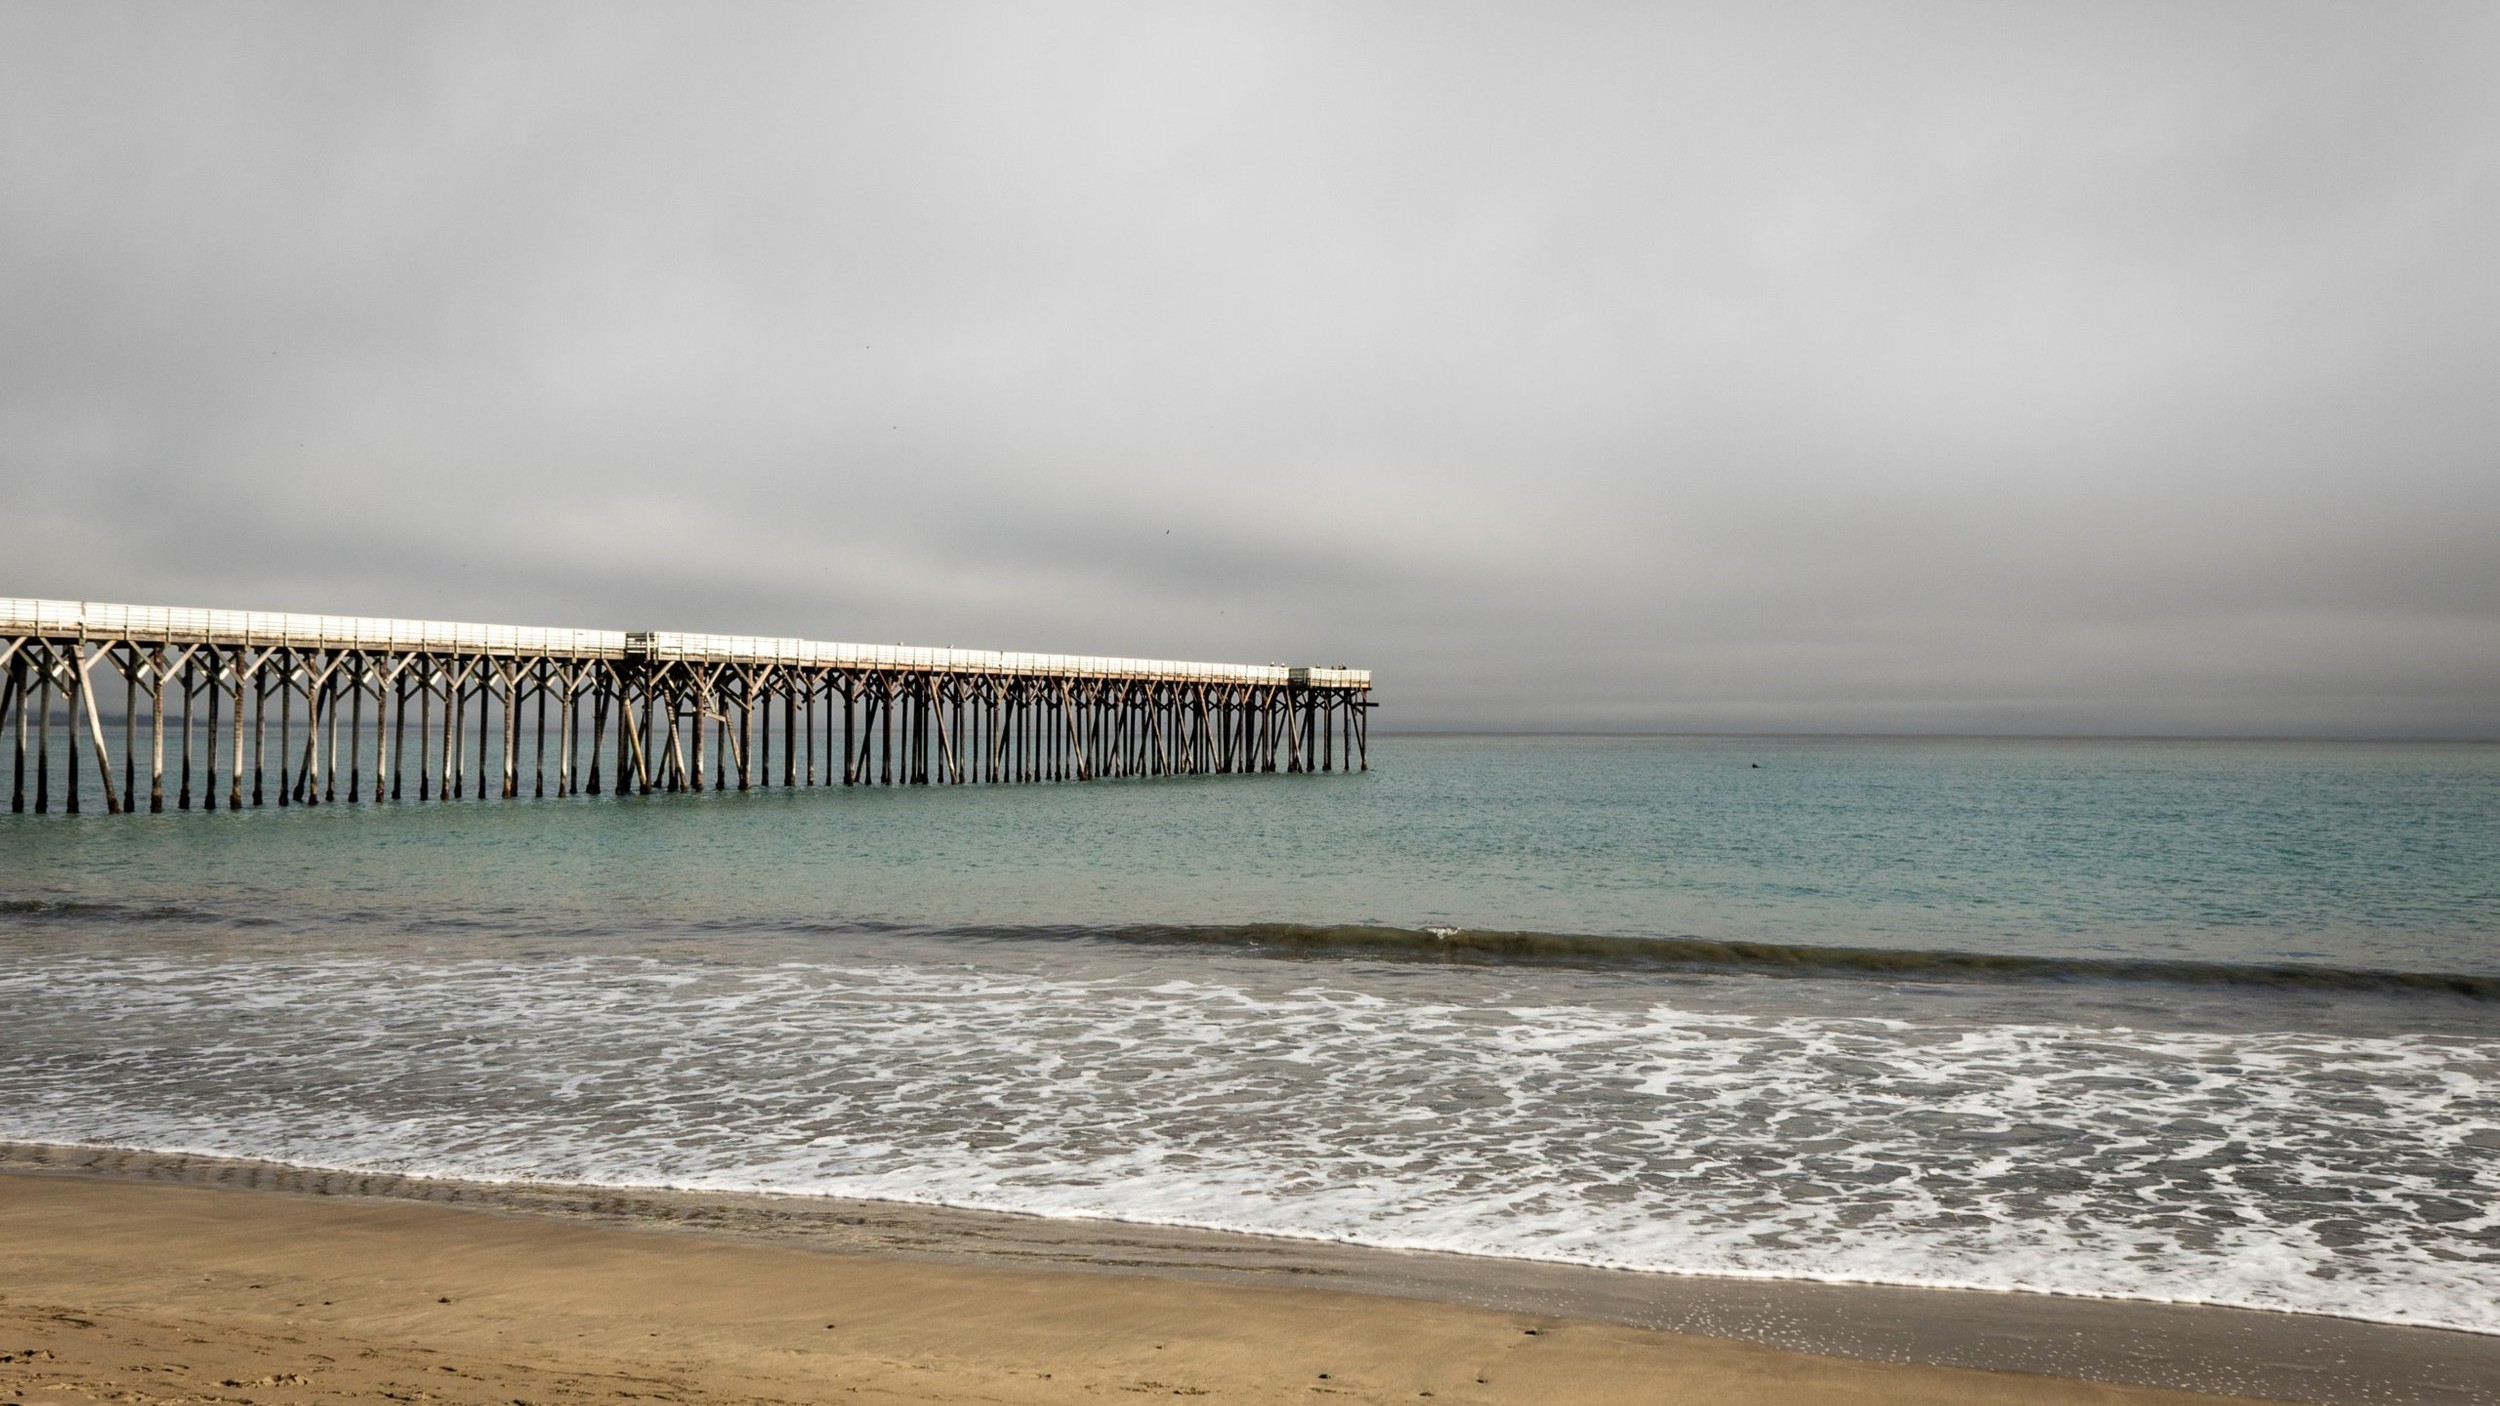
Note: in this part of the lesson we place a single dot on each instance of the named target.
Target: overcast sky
(2094, 367)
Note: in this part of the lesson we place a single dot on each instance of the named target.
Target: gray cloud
(2114, 368)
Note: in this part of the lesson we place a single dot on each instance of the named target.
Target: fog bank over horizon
(2122, 368)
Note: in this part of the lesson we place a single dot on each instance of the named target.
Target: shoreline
(2050, 1339)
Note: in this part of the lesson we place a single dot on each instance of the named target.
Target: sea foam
(1641, 1124)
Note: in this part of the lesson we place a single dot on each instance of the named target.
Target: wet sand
(149, 1278)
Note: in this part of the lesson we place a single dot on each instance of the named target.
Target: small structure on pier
(386, 710)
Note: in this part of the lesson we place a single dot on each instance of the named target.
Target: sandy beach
(147, 1279)
(155, 1293)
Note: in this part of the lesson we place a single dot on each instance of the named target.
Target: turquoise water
(2094, 1018)
(2360, 855)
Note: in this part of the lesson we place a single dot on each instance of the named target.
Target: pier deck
(372, 709)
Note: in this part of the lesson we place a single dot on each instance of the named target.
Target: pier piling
(689, 712)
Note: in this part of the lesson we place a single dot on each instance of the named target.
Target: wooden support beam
(130, 711)
(678, 776)
(326, 772)
(641, 749)
(234, 774)
(481, 685)
(566, 738)
(390, 730)
(17, 712)
(427, 672)
(260, 724)
(185, 674)
(543, 689)
(456, 736)
(355, 731)
(73, 690)
(43, 738)
(95, 729)
(599, 731)
(510, 675)
(949, 770)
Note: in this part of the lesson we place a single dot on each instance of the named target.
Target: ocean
(2211, 1022)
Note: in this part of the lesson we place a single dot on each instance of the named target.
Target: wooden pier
(247, 708)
